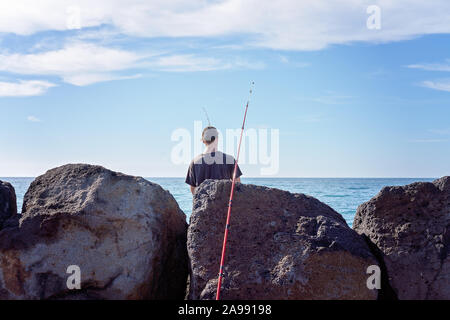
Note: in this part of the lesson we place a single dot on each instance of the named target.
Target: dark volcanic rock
(410, 225)
(280, 246)
(127, 235)
(8, 205)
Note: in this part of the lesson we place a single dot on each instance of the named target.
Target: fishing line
(207, 118)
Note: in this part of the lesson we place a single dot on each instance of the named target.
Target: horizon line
(259, 177)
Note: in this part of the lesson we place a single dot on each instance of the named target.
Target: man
(211, 164)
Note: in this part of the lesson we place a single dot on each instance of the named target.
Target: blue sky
(348, 101)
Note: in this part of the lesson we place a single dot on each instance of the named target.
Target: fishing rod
(207, 117)
(227, 225)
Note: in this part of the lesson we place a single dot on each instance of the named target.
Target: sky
(109, 82)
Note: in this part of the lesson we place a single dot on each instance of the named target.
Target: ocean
(342, 194)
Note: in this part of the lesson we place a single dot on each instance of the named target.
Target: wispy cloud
(195, 63)
(284, 59)
(24, 88)
(81, 63)
(33, 119)
(428, 140)
(85, 79)
(284, 24)
(441, 85)
(432, 66)
(440, 131)
(312, 118)
(378, 73)
(330, 98)
(185, 63)
(76, 63)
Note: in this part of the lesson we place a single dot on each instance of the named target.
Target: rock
(410, 225)
(8, 205)
(280, 246)
(127, 235)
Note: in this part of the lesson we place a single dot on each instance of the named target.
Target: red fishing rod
(227, 224)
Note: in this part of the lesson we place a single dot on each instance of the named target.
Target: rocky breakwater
(8, 205)
(410, 228)
(280, 246)
(126, 235)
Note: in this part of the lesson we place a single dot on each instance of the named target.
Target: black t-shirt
(216, 165)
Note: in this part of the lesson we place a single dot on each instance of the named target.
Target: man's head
(209, 135)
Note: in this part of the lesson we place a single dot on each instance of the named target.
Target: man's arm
(190, 177)
(238, 172)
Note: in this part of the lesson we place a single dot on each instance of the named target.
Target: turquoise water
(342, 194)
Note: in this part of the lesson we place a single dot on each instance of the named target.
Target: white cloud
(442, 85)
(283, 24)
(432, 66)
(81, 63)
(286, 60)
(283, 59)
(245, 64)
(183, 63)
(192, 63)
(85, 79)
(76, 63)
(24, 88)
(75, 58)
(33, 119)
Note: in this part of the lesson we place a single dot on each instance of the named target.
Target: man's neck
(210, 148)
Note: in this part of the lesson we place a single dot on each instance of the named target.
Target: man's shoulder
(197, 159)
(229, 159)
(219, 156)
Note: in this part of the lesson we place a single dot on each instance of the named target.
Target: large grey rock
(8, 205)
(280, 246)
(127, 235)
(410, 225)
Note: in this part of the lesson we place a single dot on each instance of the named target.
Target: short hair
(209, 134)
